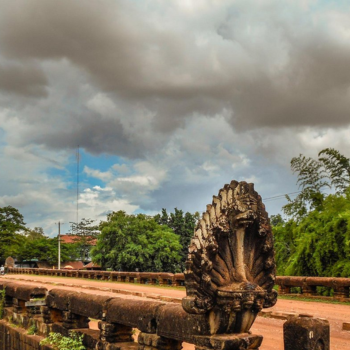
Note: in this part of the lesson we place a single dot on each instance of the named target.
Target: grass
(315, 299)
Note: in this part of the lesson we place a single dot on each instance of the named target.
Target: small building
(92, 266)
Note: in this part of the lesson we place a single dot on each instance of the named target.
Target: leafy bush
(32, 329)
(73, 342)
(2, 302)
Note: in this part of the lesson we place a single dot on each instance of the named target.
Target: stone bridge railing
(161, 278)
(308, 286)
(122, 323)
(287, 285)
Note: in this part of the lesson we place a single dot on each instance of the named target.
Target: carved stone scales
(230, 270)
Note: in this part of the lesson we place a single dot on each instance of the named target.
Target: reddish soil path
(270, 328)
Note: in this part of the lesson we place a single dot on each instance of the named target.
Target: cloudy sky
(168, 100)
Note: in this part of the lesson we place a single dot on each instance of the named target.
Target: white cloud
(96, 202)
(121, 168)
(103, 105)
(101, 175)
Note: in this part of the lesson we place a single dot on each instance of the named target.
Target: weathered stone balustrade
(306, 286)
(162, 278)
(161, 325)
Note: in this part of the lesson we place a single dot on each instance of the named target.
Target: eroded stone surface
(306, 333)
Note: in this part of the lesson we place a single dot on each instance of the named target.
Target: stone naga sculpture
(230, 270)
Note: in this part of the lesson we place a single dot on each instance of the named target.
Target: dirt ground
(270, 328)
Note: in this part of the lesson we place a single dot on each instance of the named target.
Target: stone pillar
(114, 332)
(74, 321)
(283, 290)
(18, 306)
(308, 291)
(50, 315)
(8, 301)
(45, 314)
(341, 293)
(306, 333)
(33, 310)
(153, 341)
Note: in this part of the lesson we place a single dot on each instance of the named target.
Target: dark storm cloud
(25, 80)
(95, 136)
(105, 38)
(313, 89)
(263, 68)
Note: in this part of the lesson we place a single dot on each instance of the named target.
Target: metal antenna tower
(78, 165)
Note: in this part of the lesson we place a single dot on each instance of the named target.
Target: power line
(280, 196)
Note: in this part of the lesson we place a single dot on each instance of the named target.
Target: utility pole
(59, 245)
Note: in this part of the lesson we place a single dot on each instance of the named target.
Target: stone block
(140, 314)
(59, 299)
(88, 305)
(175, 323)
(10, 288)
(153, 341)
(306, 333)
(73, 321)
(242, 341)
(25, 292)
(114, 332)
(346, 326)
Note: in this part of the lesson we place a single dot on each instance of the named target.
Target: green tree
(11, 224)
(311, 181)
(330, 170)
(45, 249)
(86, 236)
(162, 219)
(130, 242)
(319, 244)
(315, 240)
(183, 225)
(276, 220)
(337, 168)
(35, 233)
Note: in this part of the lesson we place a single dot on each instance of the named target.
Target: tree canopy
(86, 233)
(315, 240)
(319, 244)
(11, 224)
(130, 242)
(25, 244)
(330, 170)
(45, 249)
(182, 225)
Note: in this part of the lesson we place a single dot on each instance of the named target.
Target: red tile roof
(69, 239)
(92, 265)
